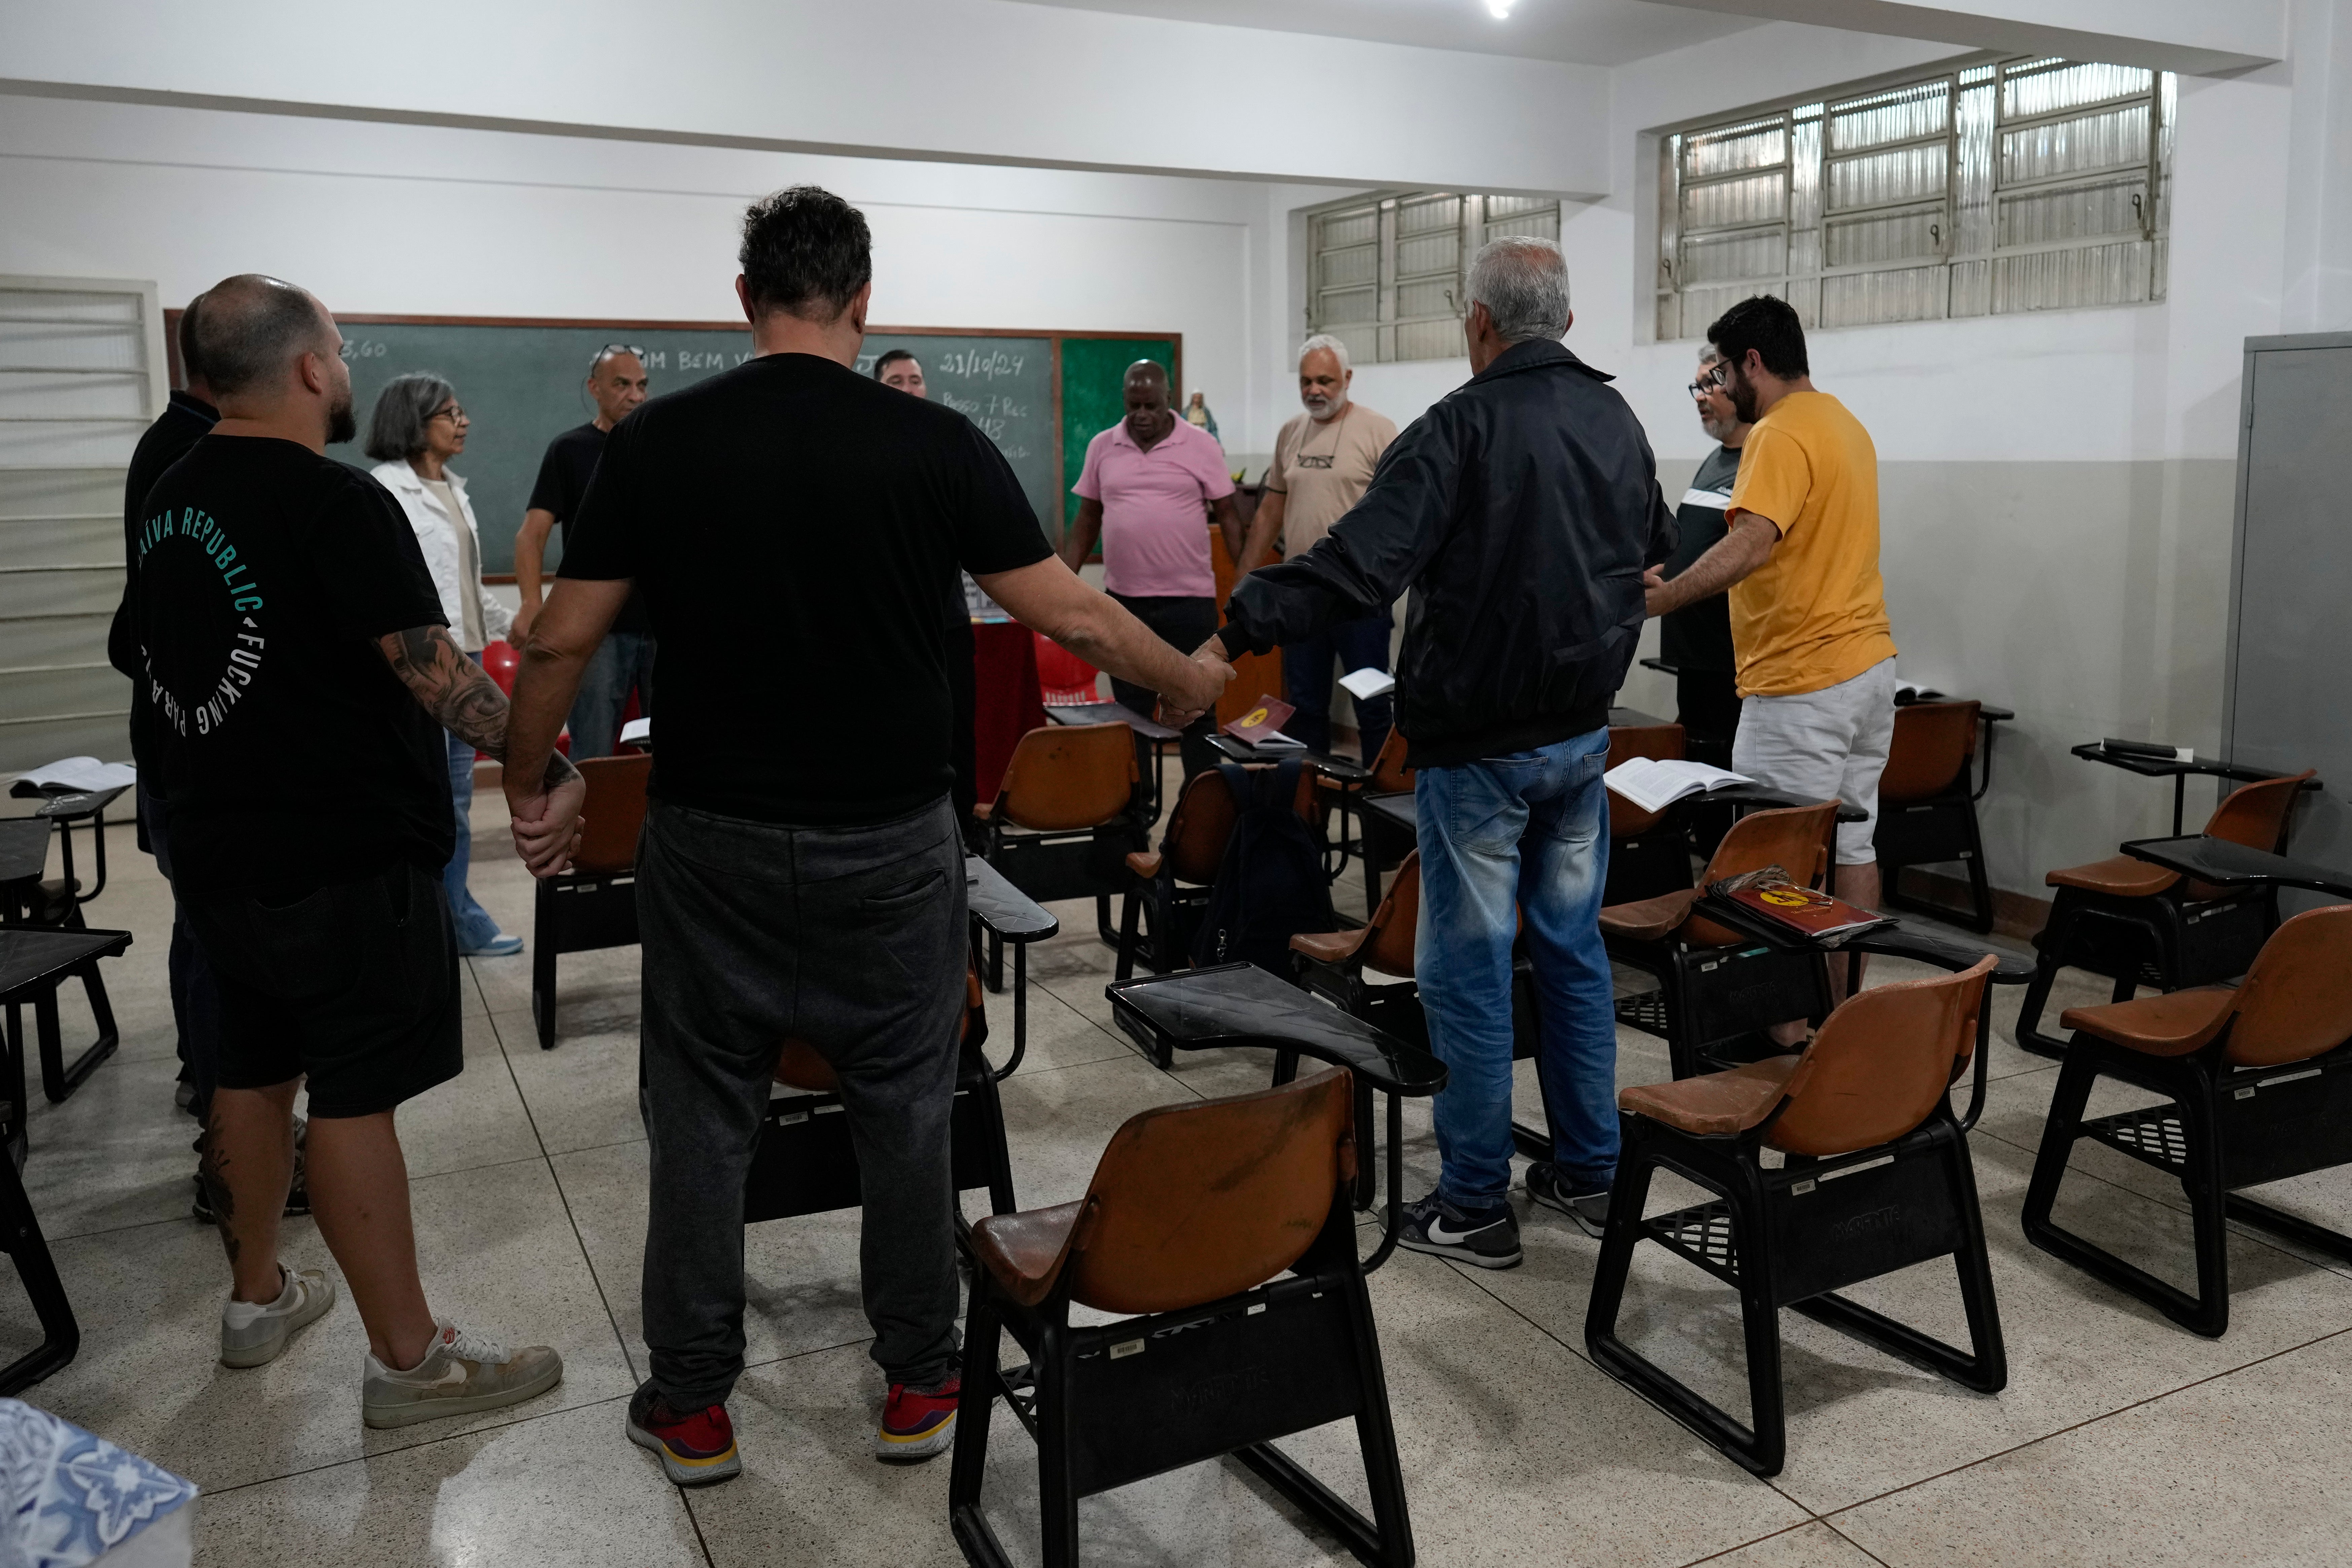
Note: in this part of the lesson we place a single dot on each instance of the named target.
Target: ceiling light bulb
(1501, 9)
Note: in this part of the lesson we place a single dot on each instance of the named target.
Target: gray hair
(1330, 345)
(1523, 283)
(403, 409)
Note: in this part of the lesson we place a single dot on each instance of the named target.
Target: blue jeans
(1502, 839)
(621, 660)
(474, 925)
(1307, 683)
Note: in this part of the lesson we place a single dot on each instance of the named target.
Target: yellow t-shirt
(1815, 613)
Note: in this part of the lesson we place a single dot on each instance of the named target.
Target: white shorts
(1829, 744)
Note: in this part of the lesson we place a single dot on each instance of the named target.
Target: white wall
(403, 219)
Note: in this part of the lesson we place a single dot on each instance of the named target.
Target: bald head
(252, 329)
(1149, 417)
(274, 359)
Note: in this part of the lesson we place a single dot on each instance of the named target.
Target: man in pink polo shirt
(1150, 485)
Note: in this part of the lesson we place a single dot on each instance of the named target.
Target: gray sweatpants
(853, 940)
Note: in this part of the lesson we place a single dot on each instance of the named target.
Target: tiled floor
(2120, 1438)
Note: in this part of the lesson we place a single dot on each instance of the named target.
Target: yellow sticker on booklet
(1785, 897)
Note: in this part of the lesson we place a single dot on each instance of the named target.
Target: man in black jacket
(1521, 510)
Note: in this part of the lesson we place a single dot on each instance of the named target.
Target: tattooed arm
(578, 613)
(467, 702)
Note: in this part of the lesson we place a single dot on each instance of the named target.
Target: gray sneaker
(252, 1335)
(464, 1371)
(1588, 1210)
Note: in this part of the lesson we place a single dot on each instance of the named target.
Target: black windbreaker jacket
(1521, 510)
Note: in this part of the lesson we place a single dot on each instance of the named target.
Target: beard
(1718, 430)
(1321, 409)
(1743, 399)
(340, 426)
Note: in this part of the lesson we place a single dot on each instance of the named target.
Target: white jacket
(436, 536)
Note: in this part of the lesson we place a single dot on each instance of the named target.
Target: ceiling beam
(2198, 37)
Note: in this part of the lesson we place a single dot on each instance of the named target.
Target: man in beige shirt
(1322, 461)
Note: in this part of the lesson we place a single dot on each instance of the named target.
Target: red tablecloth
(1007, 705)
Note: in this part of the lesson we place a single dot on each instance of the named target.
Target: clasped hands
(1209, 673)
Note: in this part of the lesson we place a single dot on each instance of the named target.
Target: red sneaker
(695, 1449)
(917, 1423)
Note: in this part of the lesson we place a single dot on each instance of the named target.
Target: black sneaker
(1588, 1210)
(1437, 1228)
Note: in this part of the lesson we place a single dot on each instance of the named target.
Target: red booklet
(1803, 910)
(1262, 725)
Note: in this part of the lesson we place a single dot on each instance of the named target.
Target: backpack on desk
(1270, 884)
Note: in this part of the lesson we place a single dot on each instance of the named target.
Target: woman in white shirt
(416, 429)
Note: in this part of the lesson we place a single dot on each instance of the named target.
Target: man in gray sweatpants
(795, 528)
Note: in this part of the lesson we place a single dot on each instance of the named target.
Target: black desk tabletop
(2218, 861)
(1895, 940)
(1345, 769)
(1003, 908)
(1396, 808)
(29, 957)
(24, 849)
(74, 807)
(1241, 1005)
(2169, 767)
(1110, 714)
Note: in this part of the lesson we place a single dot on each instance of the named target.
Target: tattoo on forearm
(461, 697)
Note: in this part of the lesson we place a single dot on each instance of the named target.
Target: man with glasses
(1696, 640)
(1800, 558)
(617, 380)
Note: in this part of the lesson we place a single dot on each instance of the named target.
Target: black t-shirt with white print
(293, 757)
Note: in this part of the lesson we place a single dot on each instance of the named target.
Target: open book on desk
(1654, 785)
(1801, 911)
(1367, 683)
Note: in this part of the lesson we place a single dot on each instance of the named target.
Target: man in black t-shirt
(1696, 638)
(617, 380)
(293, 676)
(800, 874)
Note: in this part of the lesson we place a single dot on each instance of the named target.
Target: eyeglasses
(1714, 379)
(455, 414)
(615, 349)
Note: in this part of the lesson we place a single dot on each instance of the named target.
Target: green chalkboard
(1094, 395)
(1039, 395)
(522, 384)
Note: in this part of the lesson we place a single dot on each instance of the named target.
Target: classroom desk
(2176, 771)
(1893, 940)
(66, 810)
(1241, 1004)
(1008, 915)
(2228, 865)
(24, 857)
(32, 964)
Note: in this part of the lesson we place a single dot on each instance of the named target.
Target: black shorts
(354, 984)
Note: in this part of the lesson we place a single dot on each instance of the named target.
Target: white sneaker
(253, 1333)
(464, 1372)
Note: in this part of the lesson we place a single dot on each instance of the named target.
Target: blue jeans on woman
(1502, 839)
(475, 927)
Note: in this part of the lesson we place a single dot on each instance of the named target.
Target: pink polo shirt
(1155, 530)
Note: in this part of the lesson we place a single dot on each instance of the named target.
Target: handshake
(1204, 677)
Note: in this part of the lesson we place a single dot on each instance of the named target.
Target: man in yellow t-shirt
(1808, 627)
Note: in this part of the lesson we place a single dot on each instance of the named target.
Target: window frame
(1400, 327)
(1968, 252)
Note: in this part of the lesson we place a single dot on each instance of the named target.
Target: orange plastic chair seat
(2119, 876)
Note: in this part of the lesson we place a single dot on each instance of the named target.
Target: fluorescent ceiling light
(1501, 9)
